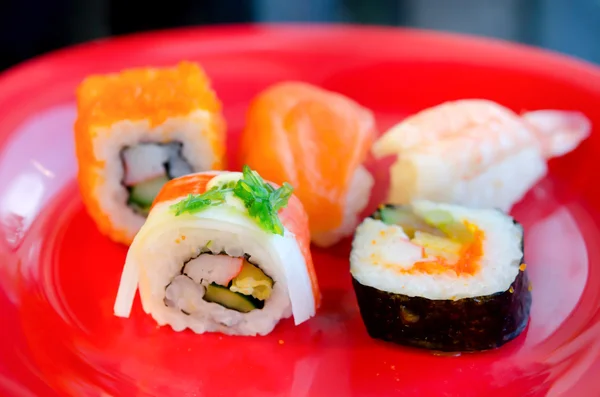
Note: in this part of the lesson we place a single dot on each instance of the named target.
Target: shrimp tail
(559, 131)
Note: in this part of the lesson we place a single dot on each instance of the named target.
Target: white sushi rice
(112, 195)
(158, 252)
(499, 265)
(357, 199)
(431, 175)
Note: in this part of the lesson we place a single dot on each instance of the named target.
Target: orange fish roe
(153, 94)
(522, 267)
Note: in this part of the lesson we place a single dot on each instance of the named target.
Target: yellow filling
(252, 281)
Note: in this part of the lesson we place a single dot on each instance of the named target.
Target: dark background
(32, 27)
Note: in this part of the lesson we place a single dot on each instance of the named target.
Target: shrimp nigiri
(317, 140)
(476, 152)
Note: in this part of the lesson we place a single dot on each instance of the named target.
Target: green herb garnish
(195, 203)
(260, 199)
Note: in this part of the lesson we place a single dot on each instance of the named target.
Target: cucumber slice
(229, 299)
(143, 194)
(446, 223)
(438, 217)
(408, 220)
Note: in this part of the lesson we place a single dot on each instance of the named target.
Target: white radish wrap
(166, 242)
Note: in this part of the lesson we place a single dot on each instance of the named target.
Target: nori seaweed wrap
(441, 277)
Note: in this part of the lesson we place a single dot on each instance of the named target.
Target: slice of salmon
(312, 138)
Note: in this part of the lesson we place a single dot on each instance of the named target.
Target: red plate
(59, 276)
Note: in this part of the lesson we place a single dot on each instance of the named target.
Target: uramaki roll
(222, 252)
(136, 130)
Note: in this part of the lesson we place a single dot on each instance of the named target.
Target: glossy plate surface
(59, 276)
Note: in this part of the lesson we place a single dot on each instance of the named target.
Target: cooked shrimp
(476, 152)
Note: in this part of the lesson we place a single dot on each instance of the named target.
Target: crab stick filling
(231, 282)
(147, 167)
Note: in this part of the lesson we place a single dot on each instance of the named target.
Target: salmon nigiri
(222, 252)
(317, 140)
(476, 152)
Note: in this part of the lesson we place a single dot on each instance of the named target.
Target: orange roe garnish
(522, 267)
(432, 267)
(155, 94)
(511, 290)
(183, 237)
(177, 241)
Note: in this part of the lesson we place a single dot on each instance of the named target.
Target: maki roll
(222, 252)
(441, 277)
(136, 130)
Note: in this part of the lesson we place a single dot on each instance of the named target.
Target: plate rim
(488, 45)
(22, 80)
(468, 39)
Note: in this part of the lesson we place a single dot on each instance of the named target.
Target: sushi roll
(137, 129)
(475, 152)
(222, 252)
(317, 140)
(441, 277)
